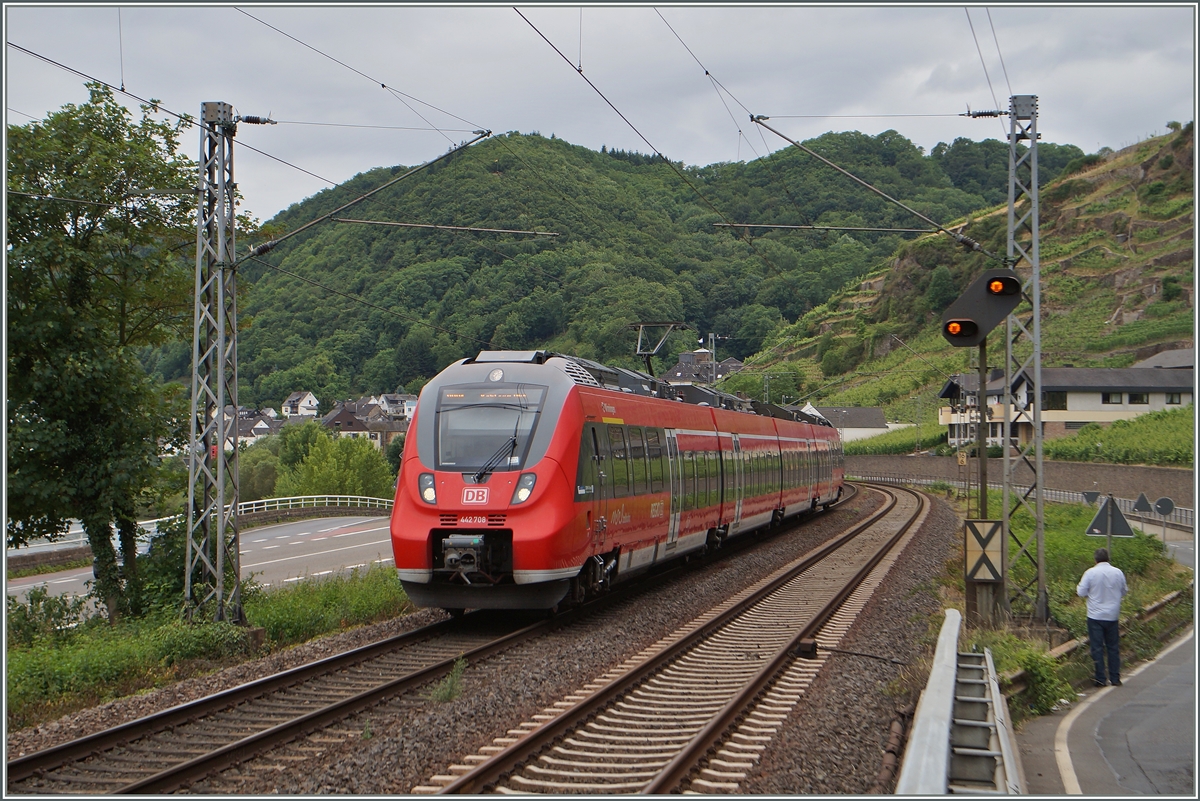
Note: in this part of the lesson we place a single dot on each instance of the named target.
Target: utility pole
(1024, 254)
(212, 569)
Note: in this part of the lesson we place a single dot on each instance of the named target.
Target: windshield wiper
(492, 463)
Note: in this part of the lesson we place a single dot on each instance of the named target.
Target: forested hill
(635, 243)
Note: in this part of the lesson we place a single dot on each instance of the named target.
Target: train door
(675, 482)
(599, 513)
(738, 486)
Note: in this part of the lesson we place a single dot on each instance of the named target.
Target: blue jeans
(1104, 638)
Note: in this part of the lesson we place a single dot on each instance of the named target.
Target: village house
(1072, 398)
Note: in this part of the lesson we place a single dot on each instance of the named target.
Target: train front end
(484, 514)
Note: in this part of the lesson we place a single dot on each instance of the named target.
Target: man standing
(1104, 585)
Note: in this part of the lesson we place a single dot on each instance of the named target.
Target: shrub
(450, 687)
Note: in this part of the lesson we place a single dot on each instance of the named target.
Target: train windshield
(486, 427)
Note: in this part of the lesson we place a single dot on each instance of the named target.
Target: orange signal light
(1004, 285)
(955, 327)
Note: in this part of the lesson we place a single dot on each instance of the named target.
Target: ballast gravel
(399, 745)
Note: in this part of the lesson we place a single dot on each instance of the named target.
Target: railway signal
(989, 299)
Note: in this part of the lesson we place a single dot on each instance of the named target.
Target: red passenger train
(531, 478)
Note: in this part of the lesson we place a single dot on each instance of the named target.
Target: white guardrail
(1181, 517)
(961, 741)
(75, 536)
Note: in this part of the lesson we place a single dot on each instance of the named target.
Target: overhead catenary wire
(121, 45)
(501, 140)
(445, 227)
(998, 53)
(965, 241)
(979, 50)
(156, 106)
(828, 227)
(271, 245)
(682, 176)
(395, 92)
(718, 87)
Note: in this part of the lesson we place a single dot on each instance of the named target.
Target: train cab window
(654, 458)
(619, 466)
(637, 460)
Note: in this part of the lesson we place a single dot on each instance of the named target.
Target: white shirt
(1103, 586)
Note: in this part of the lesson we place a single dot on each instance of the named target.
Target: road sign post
(1109, 522)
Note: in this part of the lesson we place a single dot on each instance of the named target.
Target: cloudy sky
(1105, 75)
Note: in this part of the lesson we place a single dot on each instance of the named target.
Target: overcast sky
(1105, 75)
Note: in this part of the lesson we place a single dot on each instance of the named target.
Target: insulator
(256, 120)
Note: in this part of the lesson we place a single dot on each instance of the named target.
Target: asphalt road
(271, 555)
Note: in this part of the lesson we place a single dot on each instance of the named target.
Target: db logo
(475, 495)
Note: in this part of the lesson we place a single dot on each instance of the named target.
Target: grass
(60, 661)
(449, 687)
(1161, 438)
(1150, 573)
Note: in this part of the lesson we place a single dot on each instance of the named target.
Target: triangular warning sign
(1109, 517)
(1142, 504)
(1091, 497)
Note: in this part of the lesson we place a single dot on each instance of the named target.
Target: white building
(1072, 398)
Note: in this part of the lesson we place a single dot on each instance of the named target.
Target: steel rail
(42, 761)
(687, 759)
(491, 770)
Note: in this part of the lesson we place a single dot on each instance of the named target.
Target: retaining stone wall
(1123, 481)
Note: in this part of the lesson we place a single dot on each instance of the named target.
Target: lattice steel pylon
(213, 568)
(1024, 363)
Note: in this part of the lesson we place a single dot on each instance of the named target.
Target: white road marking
(269, 547)
(1062, 754)
(309, 556)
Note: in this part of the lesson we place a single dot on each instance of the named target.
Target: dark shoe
(1098, 683)
(1116, 682)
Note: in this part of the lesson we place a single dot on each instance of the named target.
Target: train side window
(637, 460)
(703, 481)
(654, 456)
(619, 466)
(714, 478)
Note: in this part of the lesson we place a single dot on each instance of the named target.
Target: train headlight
(425, 485)
(524, 487)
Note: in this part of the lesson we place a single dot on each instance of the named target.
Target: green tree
(341, 466)
(95, 270)
(942, 291)
(293, 442)
(395, 452)
(258, 469)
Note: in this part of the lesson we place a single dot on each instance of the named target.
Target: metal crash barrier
(961, 741)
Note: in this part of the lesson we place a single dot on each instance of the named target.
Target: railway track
(695, 710)
(163, 752)
(179, 746)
